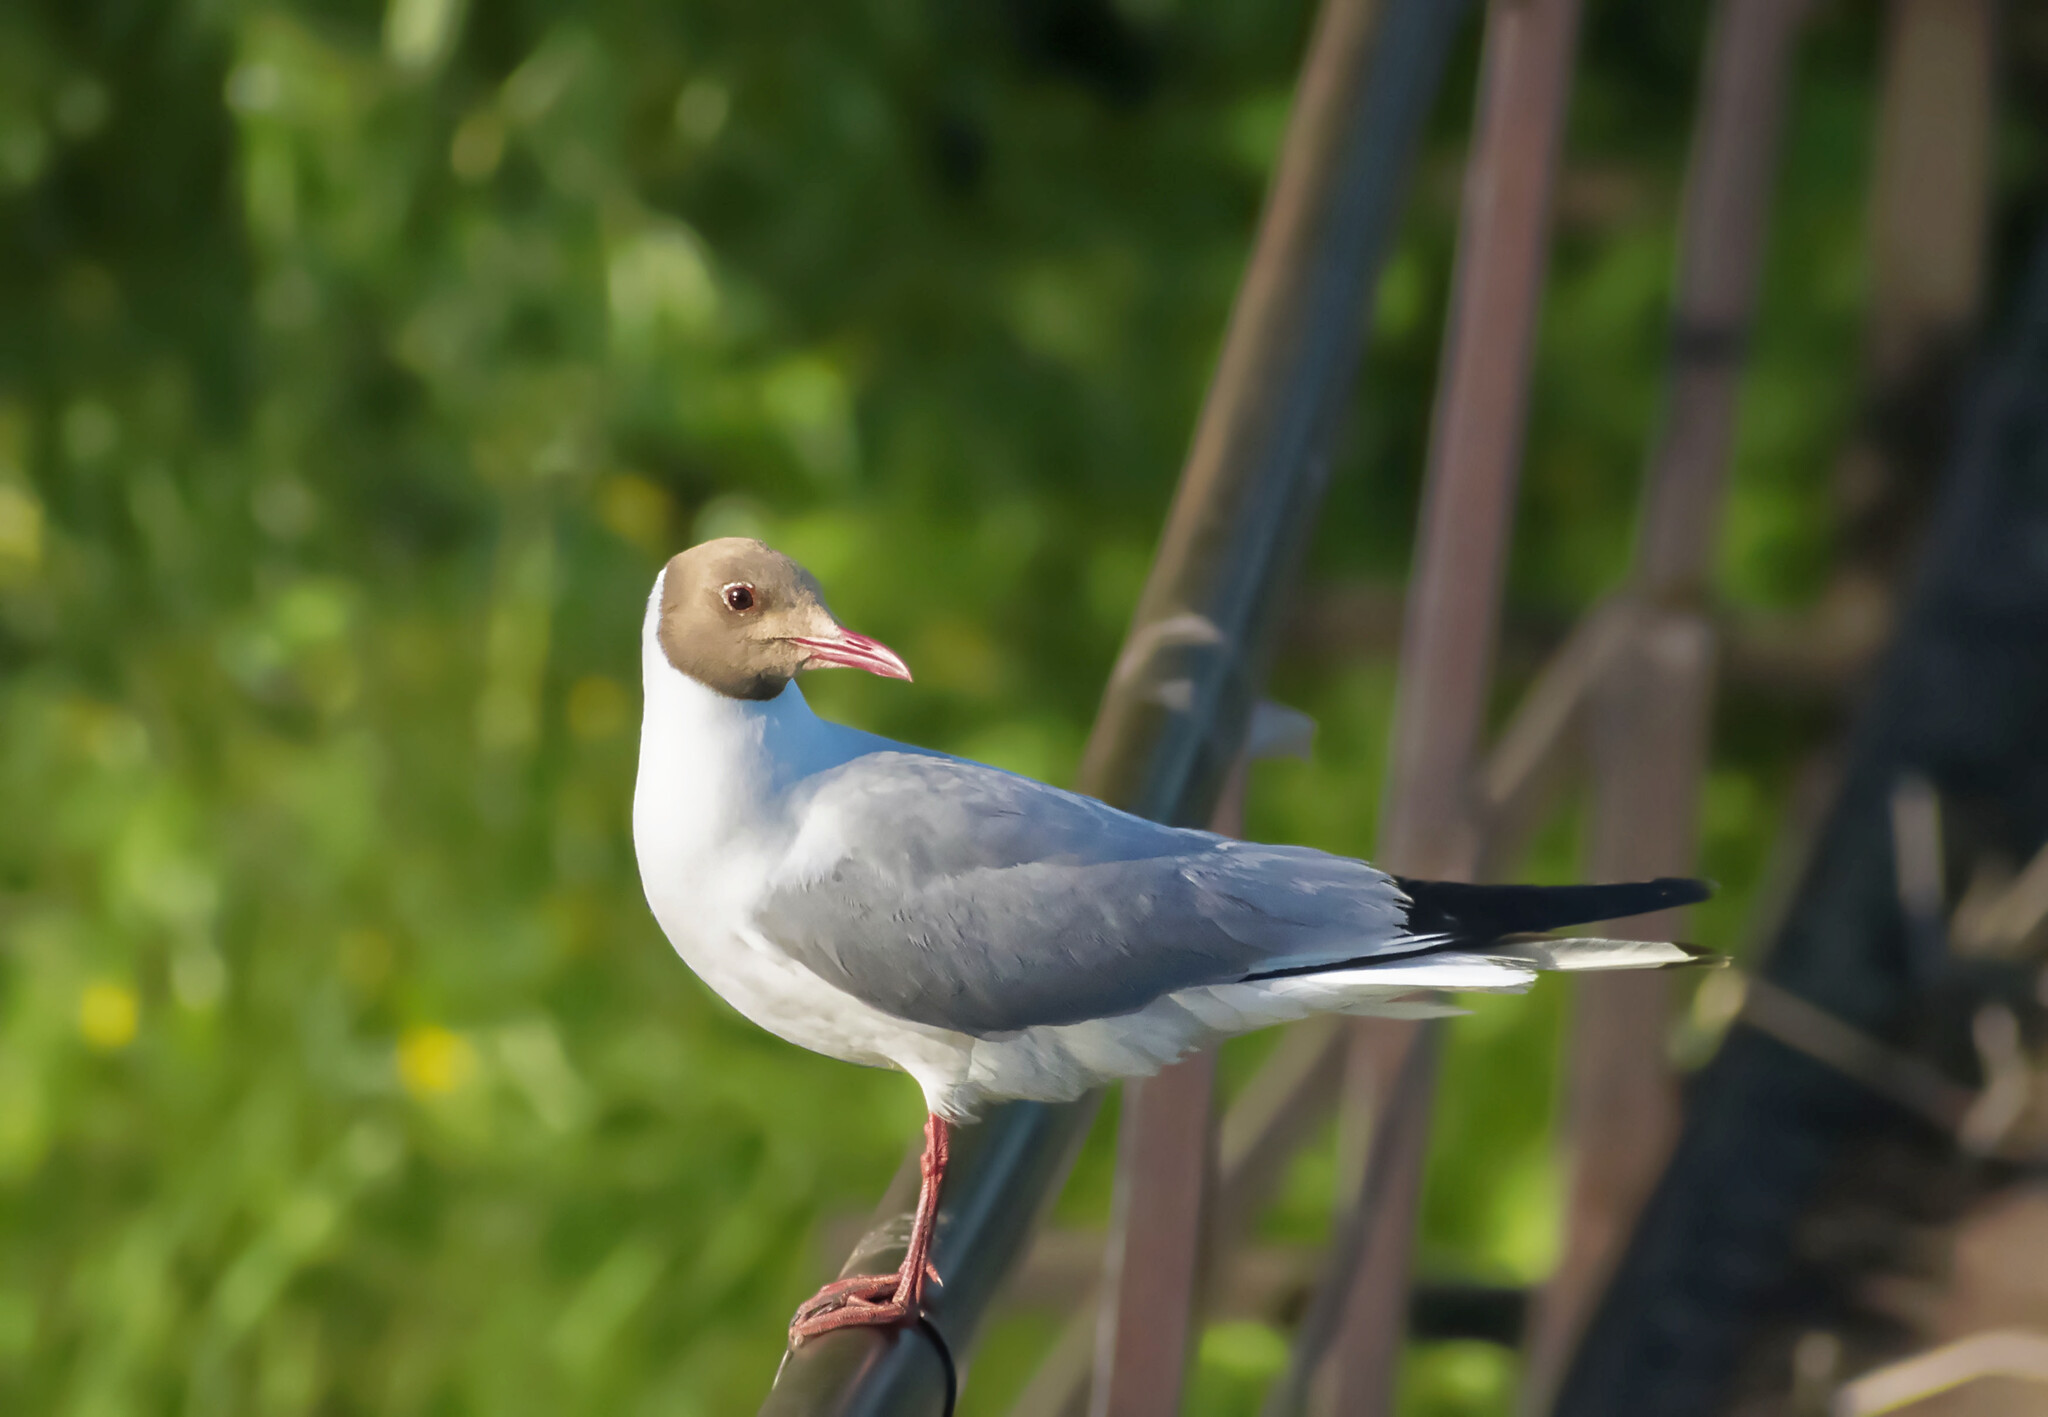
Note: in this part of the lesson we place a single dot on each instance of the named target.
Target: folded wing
(964, 897)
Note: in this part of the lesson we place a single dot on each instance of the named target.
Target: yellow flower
(108, 1015)
(21, 533)
(434, 1061)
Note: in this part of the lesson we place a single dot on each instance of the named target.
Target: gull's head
(743, 619)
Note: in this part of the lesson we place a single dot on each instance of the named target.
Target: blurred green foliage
(360, 363)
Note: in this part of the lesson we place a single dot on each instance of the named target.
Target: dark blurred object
(1089, 41)
(1961, 704)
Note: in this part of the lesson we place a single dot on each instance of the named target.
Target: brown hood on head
(742, 618)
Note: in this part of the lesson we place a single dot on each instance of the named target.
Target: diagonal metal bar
(1430, 826)
(1274, 1113)
(1167, 1173)
(1931, 205)
(1529, 762)
(1650, 714)
(1165, 1184)
(1174, 713)
(1272, 1283)
(1266, 1123)
(1380, 1191)
(1153, 1255)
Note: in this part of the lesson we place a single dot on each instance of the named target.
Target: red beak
(852, 651)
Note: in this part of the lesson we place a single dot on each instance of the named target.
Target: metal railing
(1636, 676)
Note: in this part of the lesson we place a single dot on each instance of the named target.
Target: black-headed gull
(989, 935)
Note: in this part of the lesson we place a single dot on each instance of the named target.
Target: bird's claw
(828, 1312)
(860, 1301)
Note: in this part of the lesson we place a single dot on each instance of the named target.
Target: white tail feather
(1401, 987)
(1588, 952)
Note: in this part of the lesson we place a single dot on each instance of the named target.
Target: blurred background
(361, 362)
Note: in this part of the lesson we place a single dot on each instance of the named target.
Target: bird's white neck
(724, 763)
(746, 743)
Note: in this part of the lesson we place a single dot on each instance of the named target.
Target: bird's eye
(739, 597)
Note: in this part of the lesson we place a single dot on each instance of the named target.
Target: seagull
(992, 936)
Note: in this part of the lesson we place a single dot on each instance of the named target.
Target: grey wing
(968, 898)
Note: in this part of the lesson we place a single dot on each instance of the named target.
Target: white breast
(711, 822)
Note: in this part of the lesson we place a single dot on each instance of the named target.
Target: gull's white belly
(775, 991)
(701, 898)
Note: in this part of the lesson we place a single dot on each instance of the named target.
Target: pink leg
(884, 1300)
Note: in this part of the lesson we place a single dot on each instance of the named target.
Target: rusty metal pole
(1429, 827)
(1165, 1174)
(1166, 1164)
(1166, 1161)
(1651, 713)
(1929, 210)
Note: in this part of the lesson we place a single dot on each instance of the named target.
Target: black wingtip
(1462, 910)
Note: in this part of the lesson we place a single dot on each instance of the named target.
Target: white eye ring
(738, 597)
